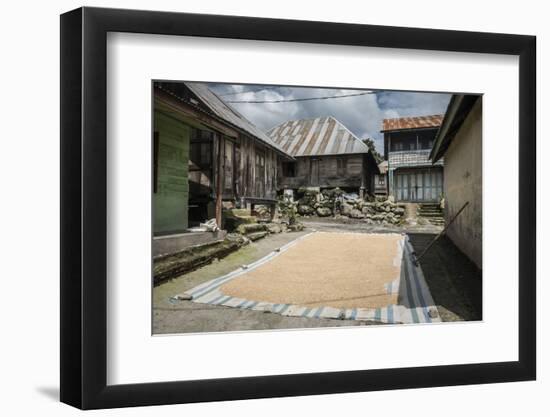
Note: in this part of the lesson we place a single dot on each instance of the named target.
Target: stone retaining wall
(335, 202)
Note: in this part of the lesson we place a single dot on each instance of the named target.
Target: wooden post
(391, 184)
(219, 174)
(362, 188)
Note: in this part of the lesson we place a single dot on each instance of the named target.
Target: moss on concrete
(257, 235)
(187, 260)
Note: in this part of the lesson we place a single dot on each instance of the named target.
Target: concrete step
(236, 217)
(247, 228)
(430, 215)
(232, 223)
(240, 212)
(257, 235)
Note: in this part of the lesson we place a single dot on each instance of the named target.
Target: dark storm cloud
(363, 115)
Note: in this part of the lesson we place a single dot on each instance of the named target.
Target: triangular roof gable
(316, 137)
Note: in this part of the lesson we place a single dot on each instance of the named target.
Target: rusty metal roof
(320, 136)
(223, 111)
(417, 122)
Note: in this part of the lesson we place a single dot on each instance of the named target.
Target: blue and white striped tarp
(415, 303)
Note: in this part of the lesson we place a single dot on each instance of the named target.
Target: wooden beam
(362, 188)
(219, 174)
(189, 114)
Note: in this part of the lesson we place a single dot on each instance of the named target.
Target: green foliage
(370, 143)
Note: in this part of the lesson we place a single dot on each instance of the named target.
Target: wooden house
(327, 155)
(407, 144)
(459, 141)
(206, 155)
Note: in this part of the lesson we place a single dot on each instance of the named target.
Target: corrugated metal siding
(316, 137)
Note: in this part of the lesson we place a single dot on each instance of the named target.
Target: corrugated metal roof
(222, 110)
(417, 122)
(320, 136)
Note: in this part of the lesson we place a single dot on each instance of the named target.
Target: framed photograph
(257, 208)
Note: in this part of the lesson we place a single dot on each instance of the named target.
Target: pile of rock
(254, 228)
(255, 231)
(335, 202)
(319, 203)
(262, 212)
(287, 209)
(385, 212)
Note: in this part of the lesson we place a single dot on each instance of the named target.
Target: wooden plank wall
(328, 173)
(243, 168)
(172, 189)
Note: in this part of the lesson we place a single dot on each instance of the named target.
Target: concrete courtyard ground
(455, 284)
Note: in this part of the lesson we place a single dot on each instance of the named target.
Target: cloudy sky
(361, 114)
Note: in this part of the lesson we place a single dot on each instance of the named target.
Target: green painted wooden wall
(172, 191)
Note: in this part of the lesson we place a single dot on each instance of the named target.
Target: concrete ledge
(170, 266)
(164, 245)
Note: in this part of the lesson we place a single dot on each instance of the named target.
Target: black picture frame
(84, 207)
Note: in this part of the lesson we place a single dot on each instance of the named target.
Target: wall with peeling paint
(463, 182)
